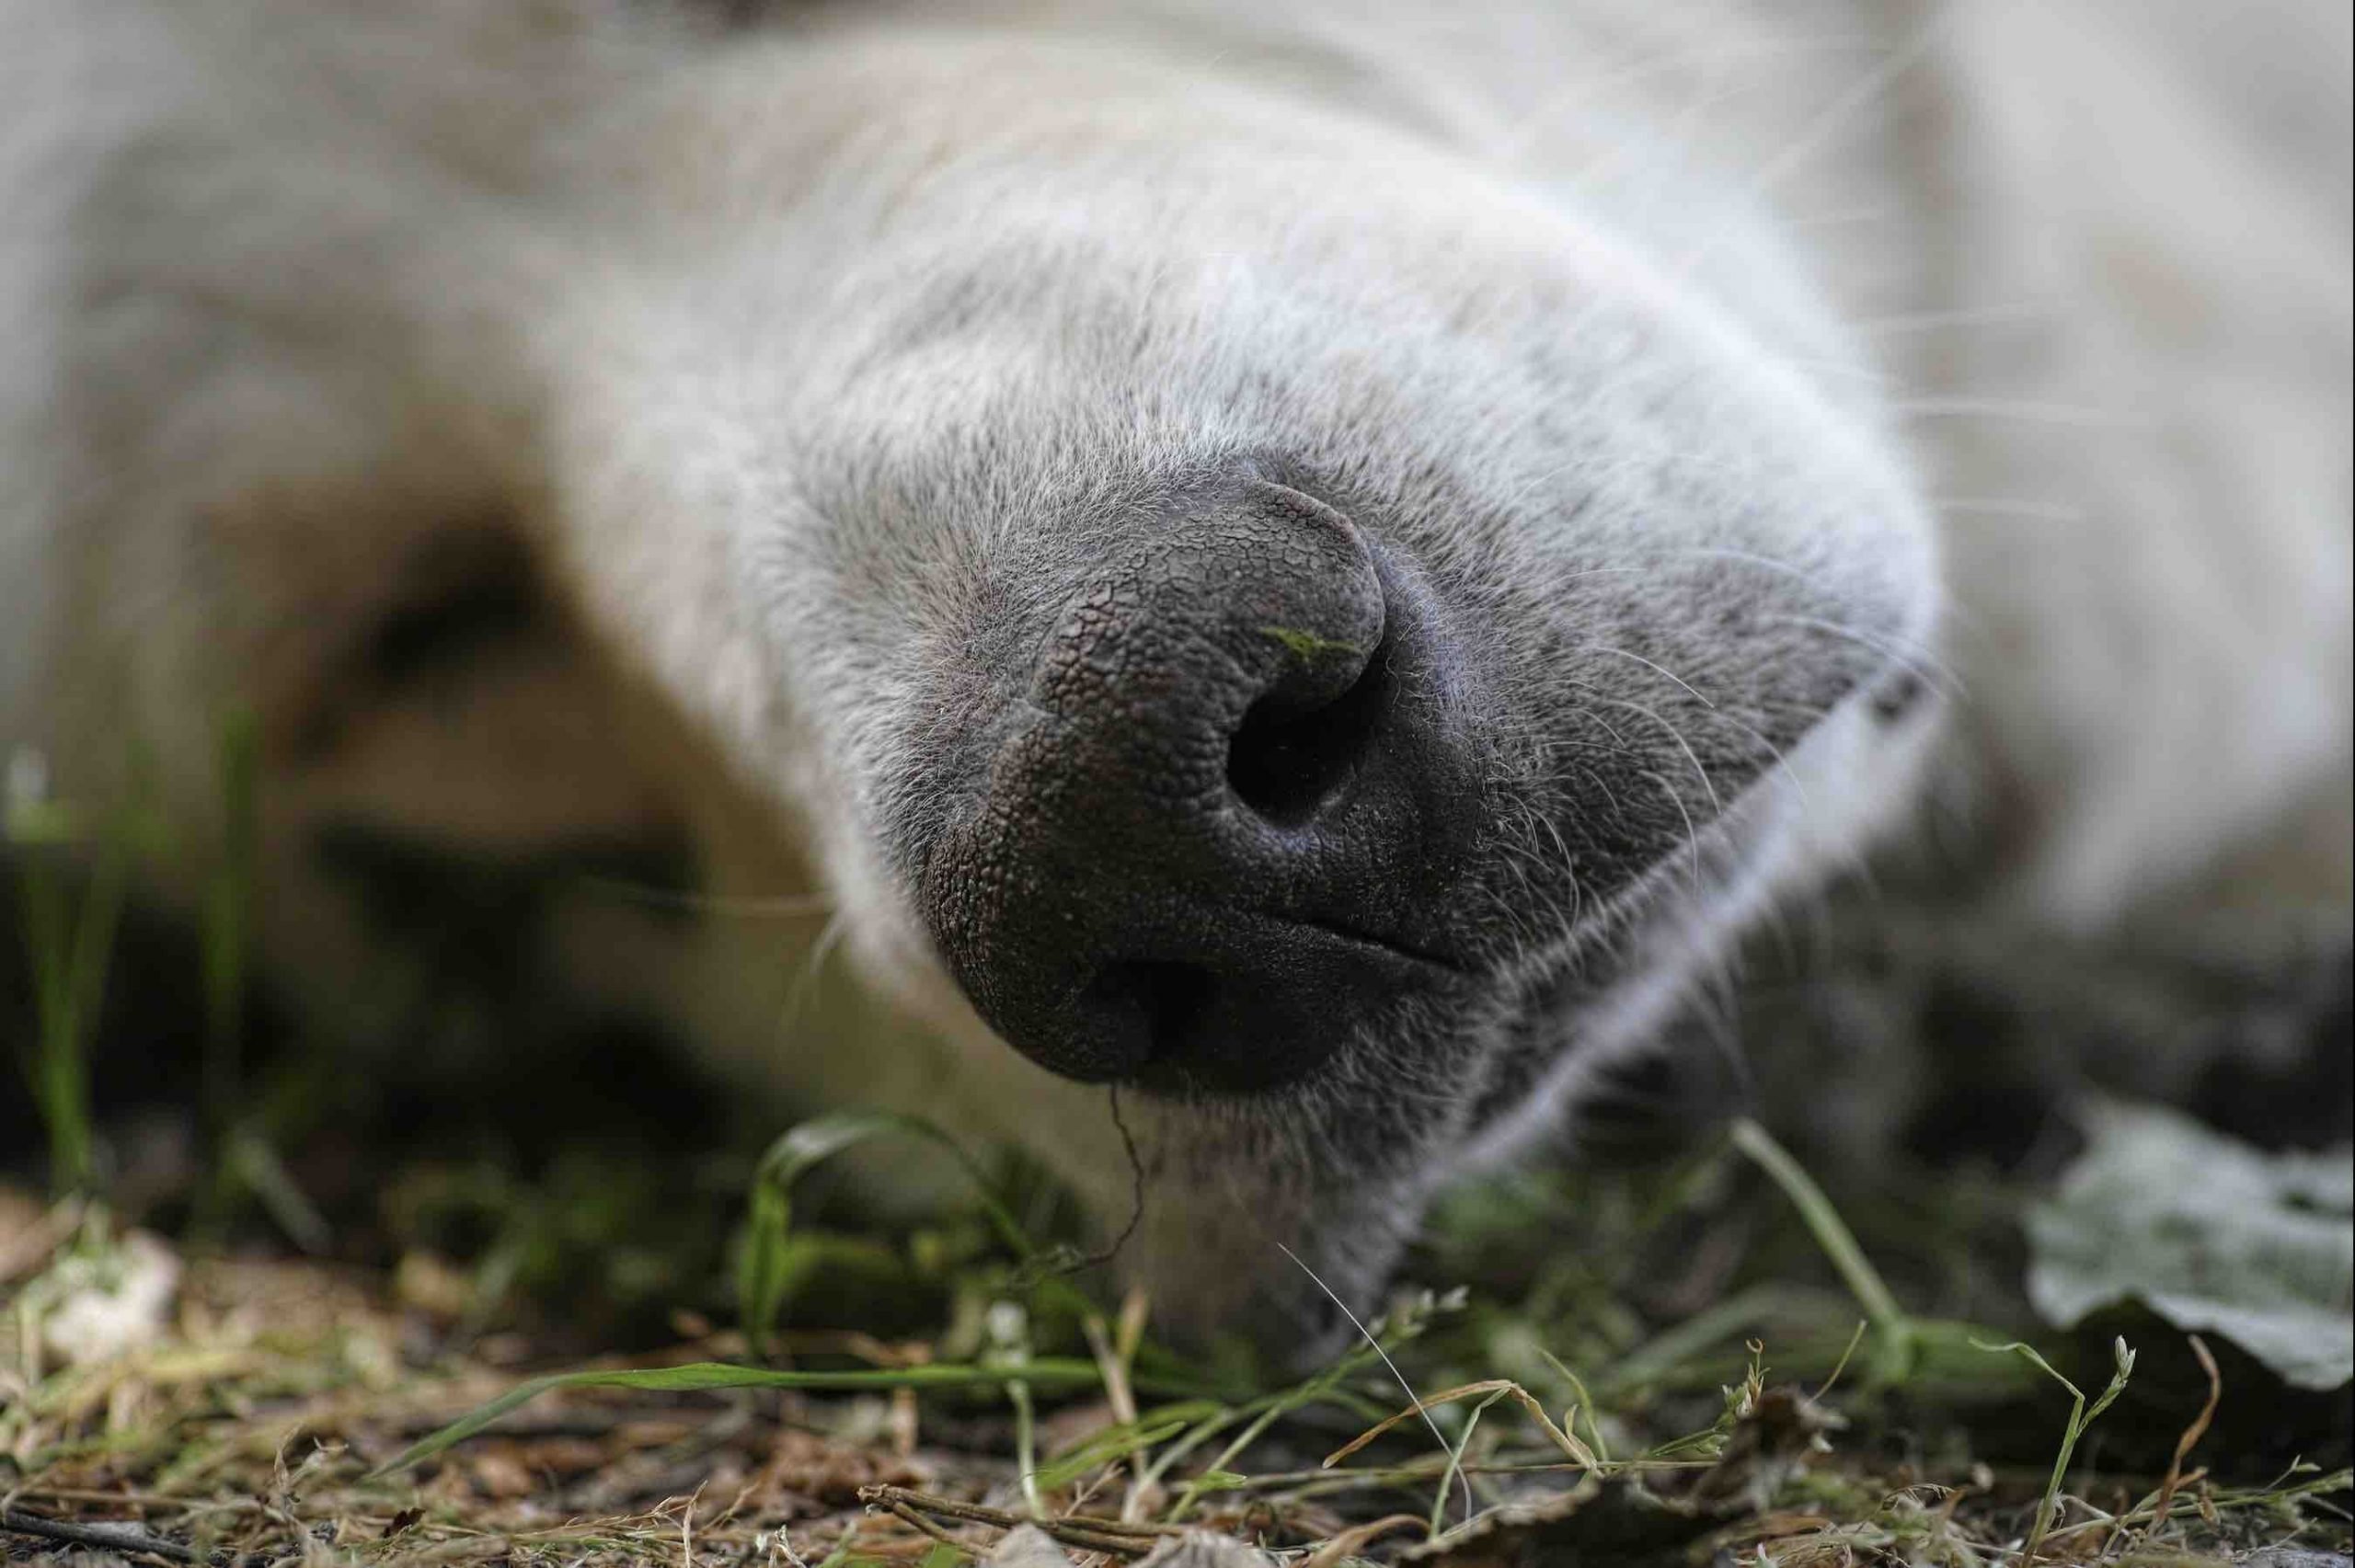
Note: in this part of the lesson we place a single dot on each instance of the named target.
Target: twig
(1136, 1194)
(1351, 1540)
(121, 1499)
(1089, 1533)
(1342, 1477)
(112, 1537)
(909, 1516)
(2191, 1434)
(1001, 1519)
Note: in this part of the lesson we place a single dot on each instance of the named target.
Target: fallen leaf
(2211, 1234)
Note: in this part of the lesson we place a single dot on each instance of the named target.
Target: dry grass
(252, 1423)
(1693, 1368)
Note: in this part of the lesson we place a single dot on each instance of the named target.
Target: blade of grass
(53, 1060)
(227, 928)
(1275, 1411)
(1576, 1451)
(2123, 1362)
(1114, 1350)
(1261, 1415)
(1893, 1345)
(1365, 1334)
(1455, 1470)
(1693, 1338)
(69, 946)
(1109, 1447)
(1585, 1401)
(700, 1375)
(258, 1168)
(762, 1272)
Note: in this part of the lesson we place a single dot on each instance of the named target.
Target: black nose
(1207, 846)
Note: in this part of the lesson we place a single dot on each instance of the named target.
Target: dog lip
(1404, 968)
(1394, 947)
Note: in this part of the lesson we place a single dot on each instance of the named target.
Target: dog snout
(1206, 850)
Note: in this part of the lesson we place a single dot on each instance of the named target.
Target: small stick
(1007, 1521)
(112, 1537)
(122, 1499)
(1091, 1535)
(909, 1516)
(2191, 1434)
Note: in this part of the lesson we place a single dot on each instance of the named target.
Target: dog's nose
(1207, 849)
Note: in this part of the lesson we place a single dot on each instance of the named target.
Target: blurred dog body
(556, 423)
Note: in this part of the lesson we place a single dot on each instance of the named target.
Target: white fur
(287, 286)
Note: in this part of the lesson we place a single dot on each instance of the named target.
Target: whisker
(1727, 554)
(1691, 834)
(1676, 139)
(1717, 807)
(1618, 808)
(1874, 84)
(1783, 762)
(1716, 1024)
(1618, 738)
(1412, 1397)
(2069, 415)
(1515, 138)
(829, 936)
(1923, 662)
(1648, 664)
(1940, 593)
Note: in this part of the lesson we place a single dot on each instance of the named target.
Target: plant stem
(1892, 1331)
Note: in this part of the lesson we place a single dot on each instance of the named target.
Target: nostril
(1294, 748)
(1156, 1009)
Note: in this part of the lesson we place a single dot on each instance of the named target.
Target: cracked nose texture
(1198, 846)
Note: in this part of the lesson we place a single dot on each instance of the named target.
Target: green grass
(2080, 1418)
(68, 913)
(1200, 1449)
(1674, 1450)
(1548, 1384)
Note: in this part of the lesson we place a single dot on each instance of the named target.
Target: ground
(257, 1305)
(1694, 1366)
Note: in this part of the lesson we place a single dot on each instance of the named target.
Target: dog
(1275, 588)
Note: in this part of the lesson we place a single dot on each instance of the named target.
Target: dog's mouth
(1504, 1019)
(1429, 957)
(1192, 1013)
